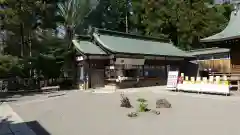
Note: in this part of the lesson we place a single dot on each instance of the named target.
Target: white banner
(209, 88)
(172, 80)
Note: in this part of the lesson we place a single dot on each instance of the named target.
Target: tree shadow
(8, 127)
(37, 128)
(13, 96)
(7, 100)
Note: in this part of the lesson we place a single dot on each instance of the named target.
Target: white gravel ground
(81, 113)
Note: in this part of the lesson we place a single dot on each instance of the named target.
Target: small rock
(125, 102)
(132, 114)
(156, 112)
(163, 103)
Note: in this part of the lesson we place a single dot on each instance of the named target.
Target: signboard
(172, 80)
(129, 61)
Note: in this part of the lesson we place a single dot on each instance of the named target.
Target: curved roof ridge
(129, 35)
(231, 31)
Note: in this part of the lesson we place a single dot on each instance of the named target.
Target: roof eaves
(209, 39)
(231, 31)
(209, 51)
(96, 36)
(81, 50)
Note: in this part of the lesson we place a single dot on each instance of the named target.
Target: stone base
(110, 86)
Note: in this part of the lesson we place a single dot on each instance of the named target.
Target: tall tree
(184, 22)
(111, 14)
(74, 13)
(21, 17)
(24, 21)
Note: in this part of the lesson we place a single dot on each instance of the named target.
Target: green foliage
(50, 55)
(48, 66)
(184, 22)
(112, 14)
(143, 106)
(141, 100)
(73, 14)
(9, 66)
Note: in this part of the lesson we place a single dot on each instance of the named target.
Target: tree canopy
(183, 22)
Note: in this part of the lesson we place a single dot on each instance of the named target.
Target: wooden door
(97, 78)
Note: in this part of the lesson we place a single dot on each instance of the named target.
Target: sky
(221, 1)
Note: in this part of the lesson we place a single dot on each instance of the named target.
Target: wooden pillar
(84, 72)
(89, 74)
(238, 83)
(112, 63)
(143, 71)
(80, 73)
(166, 70)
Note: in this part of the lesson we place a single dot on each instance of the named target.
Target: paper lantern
(192, 79)
(211, 78)
(217, 79)
(205, 80)
(225, 78)
(198, 80)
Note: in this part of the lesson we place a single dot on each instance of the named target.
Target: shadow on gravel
(58, 95)
(8, 127)
(6, 100)
(37, 128)
(14, 96)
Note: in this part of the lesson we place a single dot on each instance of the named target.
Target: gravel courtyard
(83, 113)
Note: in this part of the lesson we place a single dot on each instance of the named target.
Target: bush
(9, 66)
(143, 106)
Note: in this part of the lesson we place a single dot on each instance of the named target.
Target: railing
(233, 77)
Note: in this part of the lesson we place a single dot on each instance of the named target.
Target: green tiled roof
(232, 31)
(122, 44)
(206, 51)
(87, 47)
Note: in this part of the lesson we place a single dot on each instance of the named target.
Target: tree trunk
(30, 51)
(71, 56)
(22, 38)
